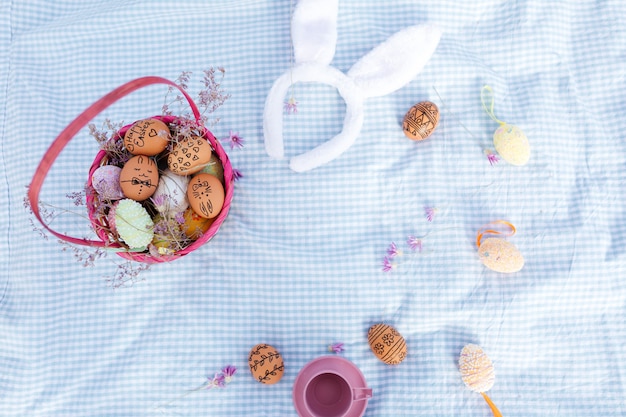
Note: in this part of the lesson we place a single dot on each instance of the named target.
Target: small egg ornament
(139, 177)
(194, 225)
(387, 344)
(132, 223)
(106, 181)
(510, 142)
(498, 254)
(189, 156)
(477, 373)
(266, 364)
(170, 196)
(147, 137)
(206, 196)
(421, 120)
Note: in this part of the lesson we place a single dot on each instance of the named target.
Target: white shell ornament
(498, 254)
(510, 142)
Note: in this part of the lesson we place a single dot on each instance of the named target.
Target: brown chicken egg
(421, 120)
(147, 137)
(139, 178)
(387, 344)
(266, 364)
(205, 193)
(189, 156)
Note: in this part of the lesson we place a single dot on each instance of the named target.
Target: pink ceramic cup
(330, 386)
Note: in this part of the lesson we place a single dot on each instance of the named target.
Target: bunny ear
(314, 31)
(395, 62)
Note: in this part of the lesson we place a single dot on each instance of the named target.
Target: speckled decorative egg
(500, 255)
(195, 225)
(215, 168)
(421, 120)
(170, 196)
(132, 223)
(106, 181)
(206, 195)
(189, 156)
(139, 177)
(512, 144)
(476, 369)
(147, 137)
(387, 344)
(266, 364)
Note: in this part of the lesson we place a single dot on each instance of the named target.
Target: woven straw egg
(387, 344)
(512, 144)
(500, 255)
(476, 369)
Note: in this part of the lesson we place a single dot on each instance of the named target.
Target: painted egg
(387, 344)
(139, 178)
(194, 225)
(512, 144)
(215, 168)
(206, 195)
(421, 120)
(132, 223)
(500, 255)
(266, 364)
(147, 137)
(476, 368)
(170, 196)
(106, 181)
(189, 156)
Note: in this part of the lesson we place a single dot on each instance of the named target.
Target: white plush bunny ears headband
(386, 68)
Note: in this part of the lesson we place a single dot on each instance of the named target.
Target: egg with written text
(147, 137)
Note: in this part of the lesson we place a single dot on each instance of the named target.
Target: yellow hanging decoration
(498, 254)
(510, 142)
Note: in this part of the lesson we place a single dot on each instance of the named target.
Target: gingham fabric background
(298, 262)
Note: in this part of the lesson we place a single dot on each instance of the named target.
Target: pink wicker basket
(99, 222)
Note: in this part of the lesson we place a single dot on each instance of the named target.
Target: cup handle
(359, 394)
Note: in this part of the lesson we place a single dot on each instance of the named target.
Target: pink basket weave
(99, 223)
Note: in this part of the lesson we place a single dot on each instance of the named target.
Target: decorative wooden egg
(387, 344)
(421, 120)
(266, 364)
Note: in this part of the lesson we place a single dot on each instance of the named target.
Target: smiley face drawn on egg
(206, 195)
(139, 178)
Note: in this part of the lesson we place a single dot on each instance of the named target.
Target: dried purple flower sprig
(218, 381)
(336, 347)
(394, 253)
(126, 273)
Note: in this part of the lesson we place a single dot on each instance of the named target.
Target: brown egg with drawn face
(147, 137)
(206, 195)
(139, 178)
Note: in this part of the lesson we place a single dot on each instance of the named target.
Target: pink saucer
(320, 371)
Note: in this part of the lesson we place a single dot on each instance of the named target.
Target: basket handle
(73, 128)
